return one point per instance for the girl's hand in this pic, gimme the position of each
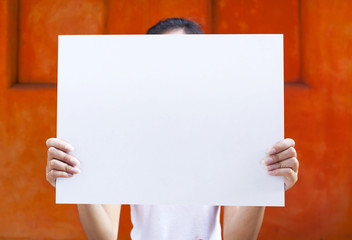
(282, 161)
(60, 163)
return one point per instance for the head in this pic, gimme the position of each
(175, 26)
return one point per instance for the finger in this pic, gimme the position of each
(288, 163)
(286, 154)
(61, 166)
(59, 144)
(290, 176)
(288, 173)
(281, 146)
(52, 175)
(54, 153)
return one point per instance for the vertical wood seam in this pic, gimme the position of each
(300, 73)
(212, 16)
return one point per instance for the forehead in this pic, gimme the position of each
(175, 31)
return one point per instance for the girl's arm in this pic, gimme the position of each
(245, 222)
(100, 221)
(242, 222)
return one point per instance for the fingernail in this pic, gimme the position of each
(69, 147)
(74, 161)
(267, 161)
(271, 172)
(69, 174)
(76, 170)
(272, 151)
(270, 167)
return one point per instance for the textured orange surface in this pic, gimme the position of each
(269, 16)
(318, 103)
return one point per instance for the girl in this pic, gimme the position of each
(101, 221)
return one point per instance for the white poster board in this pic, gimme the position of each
(171, 119)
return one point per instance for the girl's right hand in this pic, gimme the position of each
(60, 163)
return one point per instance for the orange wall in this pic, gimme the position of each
(318, 103)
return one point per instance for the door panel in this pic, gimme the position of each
(270, 16)
(40, 22)
(318, 103)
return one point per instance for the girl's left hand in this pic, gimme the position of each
(282, 161)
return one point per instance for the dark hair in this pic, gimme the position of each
(169, 24)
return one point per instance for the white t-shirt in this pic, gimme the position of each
(173, 222)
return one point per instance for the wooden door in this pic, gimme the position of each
(318, 103)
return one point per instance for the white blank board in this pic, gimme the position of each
(171, 119)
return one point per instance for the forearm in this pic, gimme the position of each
(245, 223)
(96, 222)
